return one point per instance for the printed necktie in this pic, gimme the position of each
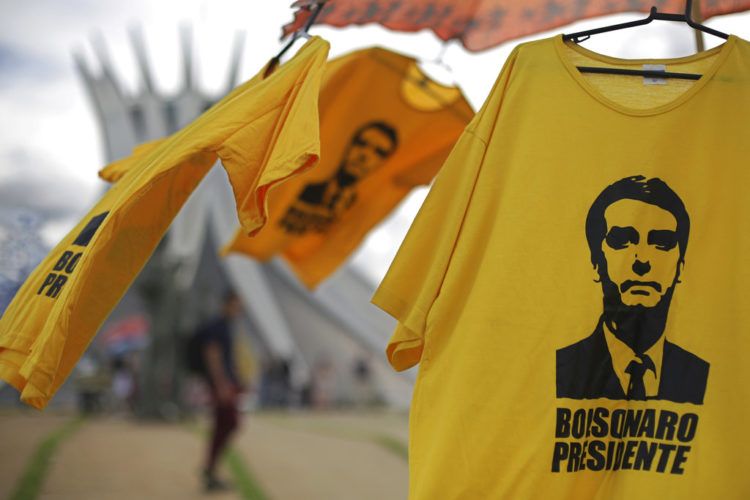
(637, 368)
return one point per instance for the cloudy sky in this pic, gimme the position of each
(50, 148)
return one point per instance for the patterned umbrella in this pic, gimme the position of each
(127, 334)
(482, 24)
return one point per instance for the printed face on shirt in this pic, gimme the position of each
(641, 251)
(637, 230)
(367, 151)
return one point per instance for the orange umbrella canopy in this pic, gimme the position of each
(482, 24)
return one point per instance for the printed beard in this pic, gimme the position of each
(637, 326)
(345, 178)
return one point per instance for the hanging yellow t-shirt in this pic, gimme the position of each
(576, 286)
(264, 131)
(385, 128)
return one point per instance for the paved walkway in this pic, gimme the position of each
(292, 457)
(117, 459)
(326, 457)
(20, 435)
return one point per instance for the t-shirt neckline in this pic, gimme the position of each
(722, 50)
(411, 65)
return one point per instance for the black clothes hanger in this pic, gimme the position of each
(314, 6)
(687, 17)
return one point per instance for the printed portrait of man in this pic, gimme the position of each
(637, 231)
(321, 203)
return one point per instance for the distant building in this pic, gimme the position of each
(285, 323)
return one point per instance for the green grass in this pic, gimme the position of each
(392, 444)
(246, 484)
(388, 442)
(30, 484)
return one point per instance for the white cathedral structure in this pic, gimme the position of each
(332, 330)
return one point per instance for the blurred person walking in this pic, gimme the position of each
(213, 342)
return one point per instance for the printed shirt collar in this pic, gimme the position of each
(622, 355)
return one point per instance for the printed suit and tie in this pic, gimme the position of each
(637, 231)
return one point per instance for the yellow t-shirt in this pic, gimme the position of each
(571, 343)
(385, 128)
(264, 131)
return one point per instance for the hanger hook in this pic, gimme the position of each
(315, 7)
(689, 11)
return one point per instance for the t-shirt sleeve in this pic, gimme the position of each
(117, 169)
(293, 147)
(423, 172)
(416, 274)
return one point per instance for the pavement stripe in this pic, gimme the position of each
(302, 463)
(30, 483)
(246, 484)
(387, 441)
